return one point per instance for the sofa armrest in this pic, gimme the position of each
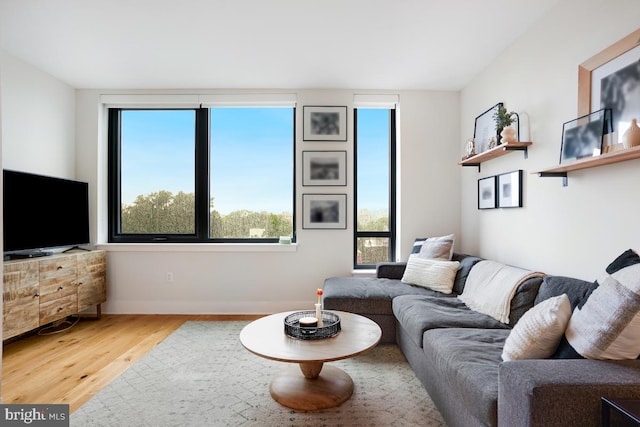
(390, 270)
(562, 392)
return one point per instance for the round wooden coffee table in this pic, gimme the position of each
(317, 387)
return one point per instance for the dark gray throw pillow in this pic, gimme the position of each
(578, 292)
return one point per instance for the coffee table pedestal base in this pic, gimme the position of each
(330, 388)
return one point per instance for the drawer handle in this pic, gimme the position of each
(59, 267)
(60, 288)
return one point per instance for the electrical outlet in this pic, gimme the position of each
(169, 276)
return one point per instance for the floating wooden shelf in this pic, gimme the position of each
(590, 162)
(495, 152)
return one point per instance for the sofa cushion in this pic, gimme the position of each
(468, 361)
(539, 331)
(433, 247)
(417, 314)
(432, 274)
(367, 295)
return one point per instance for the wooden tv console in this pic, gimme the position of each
(39, 291)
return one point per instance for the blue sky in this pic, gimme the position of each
(251, 156)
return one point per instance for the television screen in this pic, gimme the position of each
(44, 212)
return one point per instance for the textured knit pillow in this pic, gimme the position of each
(430, 273)
(434, 247)
(607, 326)
(539, 331)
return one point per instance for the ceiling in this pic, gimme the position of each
(181, 44)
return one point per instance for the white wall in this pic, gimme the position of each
(208, 279)
(41, 124)
(575, 230)
(39, 120)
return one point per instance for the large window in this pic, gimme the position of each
(201, 175)
(375, 186)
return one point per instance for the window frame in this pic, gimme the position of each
(391, 233)
(201, 181)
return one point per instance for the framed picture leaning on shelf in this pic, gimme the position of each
(485, 129)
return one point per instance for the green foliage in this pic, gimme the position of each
(372, 250)
(164, 213)
(160, 213)
(502, 117)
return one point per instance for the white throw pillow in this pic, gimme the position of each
(430, 273)
(539, 331)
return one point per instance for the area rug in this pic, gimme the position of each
(201, 375)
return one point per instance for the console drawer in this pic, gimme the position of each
(58, 308)
(58, 278)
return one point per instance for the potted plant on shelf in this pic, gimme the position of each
(504, 120)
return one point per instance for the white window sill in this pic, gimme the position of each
(197, 247)
(364, 272)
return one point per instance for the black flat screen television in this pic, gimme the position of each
(43, 212)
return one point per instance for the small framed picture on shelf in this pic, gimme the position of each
(485, 129)
(320, 168)
(324, 211)
(487, 193)
(324, 123)
(510, 189)
(583, 137)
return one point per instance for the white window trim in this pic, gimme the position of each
(199, 247)
(387, 101)
(288, 100)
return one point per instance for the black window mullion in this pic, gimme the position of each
(355, 188)
(114, 173)
(202, 193)
(392, 186)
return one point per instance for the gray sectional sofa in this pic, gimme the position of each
(457, 352)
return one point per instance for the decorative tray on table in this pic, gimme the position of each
(329, 327)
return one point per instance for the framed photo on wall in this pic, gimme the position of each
(324, 123)
(510, 189)
(611, 79)
(487, 193)
(324, 211)
(324, 168)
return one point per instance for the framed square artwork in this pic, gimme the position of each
(324, 168)
(324, 123)
(324, 211)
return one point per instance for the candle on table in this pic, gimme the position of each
(308, 322)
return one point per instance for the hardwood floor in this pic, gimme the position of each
(72, 366)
